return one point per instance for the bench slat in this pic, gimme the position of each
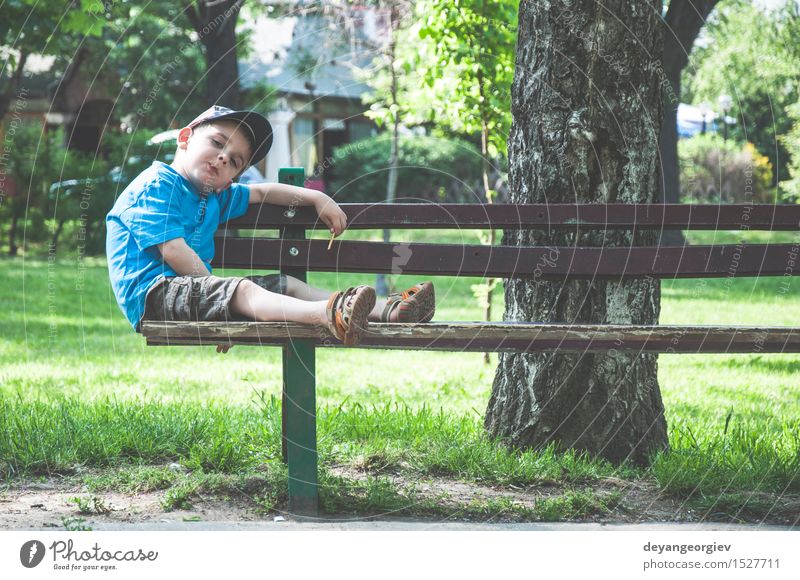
(493, 337)
(505, 261)
(562, 216)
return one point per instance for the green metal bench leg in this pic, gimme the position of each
(300, 426)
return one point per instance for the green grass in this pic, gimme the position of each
(79, 388)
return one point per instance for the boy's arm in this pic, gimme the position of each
(183, 259)
(283, 194)
(291, 195)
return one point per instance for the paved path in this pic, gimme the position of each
(410, 525)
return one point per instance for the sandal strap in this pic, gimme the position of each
(392, 302)
(405, 294)
(332, 310)
(339, 310)
(347, 296)
(394, 299)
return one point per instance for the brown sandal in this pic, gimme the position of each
(347, 313)
(417, 304)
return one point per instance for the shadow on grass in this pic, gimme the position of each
(776, 364)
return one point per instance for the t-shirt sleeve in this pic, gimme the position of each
(154, 216)
(234, 202)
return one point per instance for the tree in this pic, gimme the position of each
(388, 96)
(151, 63)
(683, 22)
(465, 59)
(788, 36)
(586, 108)
(33, 27)
(758, 69)
(791, 187)
(214, 21)
(41, 27)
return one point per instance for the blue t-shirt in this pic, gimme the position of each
(158, 206)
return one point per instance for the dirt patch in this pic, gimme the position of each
(49, 503)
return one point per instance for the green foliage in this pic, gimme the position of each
(46, 27)
(62, 190)
(133, 480)
(261, 97)
(389, 75)
(791, 187)
(752, 56)
(732, 456)
(576, 505)
(714, 170)
(131, 153)
(178, 497)
(153, 62)
(75, 524)
(37, 159)
(463, 53)
(90, 505)
(430, 168)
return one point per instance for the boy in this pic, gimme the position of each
(160, 240)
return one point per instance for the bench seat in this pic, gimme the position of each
(491, 337)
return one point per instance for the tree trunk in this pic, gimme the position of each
(13, 85)
(12, 233)
(215, 23)
(57, 234)
(682, 25)
(586, 108)
(487, 315)
(381, 286)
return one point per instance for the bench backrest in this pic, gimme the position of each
(291, 252)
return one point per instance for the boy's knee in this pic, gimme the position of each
(293, 286)
(245, 289)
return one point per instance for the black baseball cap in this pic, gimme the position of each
(256, 122)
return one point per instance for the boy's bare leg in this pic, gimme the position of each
(302, 291)
(256, 303)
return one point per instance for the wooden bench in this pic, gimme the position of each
(295, 255)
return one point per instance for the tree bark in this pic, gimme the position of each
(13, 85)
(57, 234)
(586, 107)
(381, 287)
(487, 315)
(12, 233)
(215, 24)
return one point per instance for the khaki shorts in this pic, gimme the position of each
(201, 299)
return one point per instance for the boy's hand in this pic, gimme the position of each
(331, 214)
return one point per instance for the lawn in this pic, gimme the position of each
(79, 387)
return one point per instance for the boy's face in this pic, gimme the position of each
(212, 155)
